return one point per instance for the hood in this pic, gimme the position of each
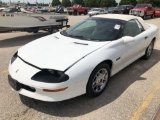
(139, 9)
(57, 51)
(92, 12)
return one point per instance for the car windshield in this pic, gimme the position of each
(95, 29)
(140, 6)
(112, 8)
(122, 7)
(95, 9)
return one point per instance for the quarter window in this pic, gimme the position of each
(132, 28)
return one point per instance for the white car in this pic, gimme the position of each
(82, 58)
(96, 11)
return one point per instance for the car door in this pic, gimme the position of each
(150, 10)
(132, 50)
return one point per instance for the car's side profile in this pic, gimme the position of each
(96, 11)
(82, 58)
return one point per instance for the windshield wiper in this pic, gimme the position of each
(79, 37)
(64, 33)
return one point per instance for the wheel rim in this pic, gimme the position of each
(150, 49)
(100, 80)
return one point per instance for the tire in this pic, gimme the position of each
(90, 15)
(79, 13)
(148, 51)
(152, 16)
(98, 80)
(70, 13)
(85, 12)
(75, 13)
(144, 17)
(36, 30)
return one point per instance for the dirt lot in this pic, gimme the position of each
(132, 94)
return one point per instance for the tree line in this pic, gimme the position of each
(155, 3)
(103, 3)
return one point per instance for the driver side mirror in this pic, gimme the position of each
(128, 39)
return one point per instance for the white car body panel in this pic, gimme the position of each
(63, 58)
(59, 52)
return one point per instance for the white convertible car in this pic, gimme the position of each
(82, 58)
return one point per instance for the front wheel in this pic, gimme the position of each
(144, 16)
(75, 12)
(98, 80)
(149, 51)
(152, 16)
(70, 13)
(85, 12)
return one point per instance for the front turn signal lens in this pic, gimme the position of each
(56, 90)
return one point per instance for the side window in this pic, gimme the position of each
(140, 26)
(132, 28)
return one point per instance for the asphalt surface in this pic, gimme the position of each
(132, 94)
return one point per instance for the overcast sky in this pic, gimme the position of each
(33, 1)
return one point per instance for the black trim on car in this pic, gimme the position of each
(17, 86)
(48, 77)
(29, 63)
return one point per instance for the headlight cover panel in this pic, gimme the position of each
(50, 76)
(14, 57)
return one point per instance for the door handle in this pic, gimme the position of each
(146, 37)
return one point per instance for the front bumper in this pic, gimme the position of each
(20, 75)
(137, 13)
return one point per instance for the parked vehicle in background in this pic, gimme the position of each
(113, 10)
(77, 9)
(143, 10)
(2, 8)
(32, 22)
(102, 45)
(52, 9)
(157, 13)
(96, 11)
(11, 9)
(59, 9)
(124, 9)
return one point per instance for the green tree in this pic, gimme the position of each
(112, 3)
(98, 3)
(108, 3)
(66, 3)
(104, 3)
(56, 2)
(155, 3)
(79, 2)
(124, 2)
(90, 3)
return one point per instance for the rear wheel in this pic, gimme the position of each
(152, 16)
(79, 13)
(98, 80)
(85, 12)
(144, 16)
(75, 12)
(35, 30)
(149, 51)
(70, 13)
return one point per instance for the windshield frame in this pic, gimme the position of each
(117, 21)
(141, 6)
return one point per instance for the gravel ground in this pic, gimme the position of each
(132, 94)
